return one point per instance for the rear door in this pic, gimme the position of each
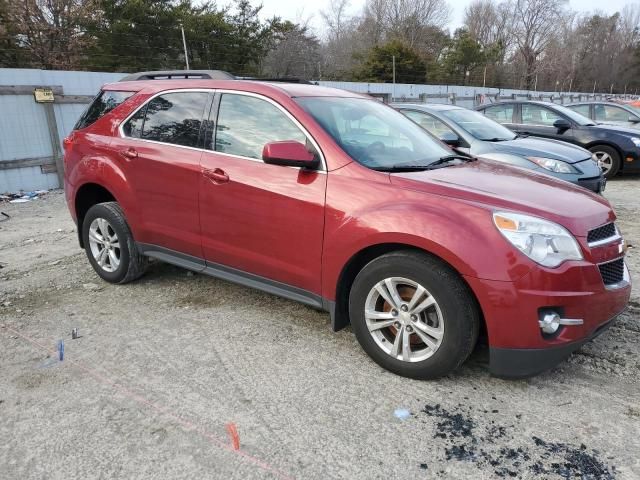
(256, 218)
(160, 152)
(504, 113)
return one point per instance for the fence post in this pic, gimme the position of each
(54, 135)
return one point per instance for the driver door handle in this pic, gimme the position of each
(217, 175)
(129, 153)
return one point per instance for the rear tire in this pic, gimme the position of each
(440, 325)
(610, 159)
(110, 246)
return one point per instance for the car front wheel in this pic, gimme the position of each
(608, 159)
(413, 315)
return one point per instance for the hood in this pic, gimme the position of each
(537, 147)
(502, 187)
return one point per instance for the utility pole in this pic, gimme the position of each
(484, 77)
(611, 90)
(535, 84)
(184, 44)
(594, 86)
(393, 91)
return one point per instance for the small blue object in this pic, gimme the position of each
(61, 350)
(402, 413)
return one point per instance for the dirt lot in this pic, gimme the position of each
(165, 363)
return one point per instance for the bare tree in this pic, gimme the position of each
(52, 31)
(336, 18)
(534, 26)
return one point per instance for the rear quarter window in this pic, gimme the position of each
(101, 105)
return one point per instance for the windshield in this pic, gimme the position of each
(373, 134)
(478, 125)
(575, 116)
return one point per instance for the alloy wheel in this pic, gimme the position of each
(104, 244)
(605, 162)
(404, 319)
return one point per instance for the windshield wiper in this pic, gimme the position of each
(450, 158)
(497, 139)
(430, 166)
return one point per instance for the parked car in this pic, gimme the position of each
(609, 112)
(472, 133)
(338, 201)
(617, 148)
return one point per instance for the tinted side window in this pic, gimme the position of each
(581, 109)
(245, 124)
(538, 115)
(133, 127)
(430, 124)
(612, 114)
(174, 118)
(500, 113)
(101, 105)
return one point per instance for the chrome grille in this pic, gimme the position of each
(602, 233)
(612, 272)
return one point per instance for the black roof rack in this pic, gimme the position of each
(279, 79)
(179, 74)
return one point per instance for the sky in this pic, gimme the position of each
(303, 10)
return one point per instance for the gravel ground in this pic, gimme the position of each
(163, 365)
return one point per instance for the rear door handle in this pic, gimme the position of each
(129, 153)
(216, 175)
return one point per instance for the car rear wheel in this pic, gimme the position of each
(413, 315)
(109, 244)
(608, 159)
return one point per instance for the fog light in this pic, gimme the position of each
(550, 323)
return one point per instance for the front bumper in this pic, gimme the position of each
(512, 311)
(527, 362)
(596, 184)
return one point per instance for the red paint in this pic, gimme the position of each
(233, 434)
(301, 227)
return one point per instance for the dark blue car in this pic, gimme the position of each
(472, 133)
(617, 148)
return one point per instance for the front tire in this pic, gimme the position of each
(413, 315)
(608, 159)
(110, 246)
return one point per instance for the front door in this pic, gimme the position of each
(158, 152)
(538, 120)
(262, 219)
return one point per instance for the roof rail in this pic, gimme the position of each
(279, 79)
(179, 74)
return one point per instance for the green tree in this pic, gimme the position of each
(465, 54)
(377, 65)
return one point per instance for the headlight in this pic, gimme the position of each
(557, 166)
(544, 242)
(636, 141)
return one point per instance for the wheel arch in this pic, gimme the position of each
(88, 195)
(340, 310)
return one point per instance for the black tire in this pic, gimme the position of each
(460, 313)
(616, 161)
(132, 263)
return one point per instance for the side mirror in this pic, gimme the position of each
(289, 153)
(634, 119)
(450, 139)
(562, 124)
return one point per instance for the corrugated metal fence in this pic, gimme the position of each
(31, 133)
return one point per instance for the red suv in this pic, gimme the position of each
(335, 200)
